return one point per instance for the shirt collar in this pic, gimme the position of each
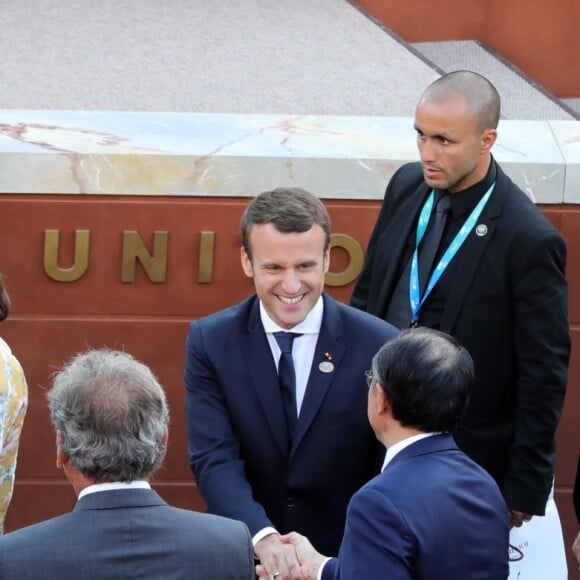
(398, 447)
(310, 325)
(464, 201)
(114, 485)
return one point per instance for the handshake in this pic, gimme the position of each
(289, 557)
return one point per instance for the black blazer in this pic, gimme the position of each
(508, 307)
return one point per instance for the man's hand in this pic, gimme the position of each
(518, 518)
(278, 560)
(310, 560)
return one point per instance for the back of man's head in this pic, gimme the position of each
(290, 209)
(426, 375)
(111, 416)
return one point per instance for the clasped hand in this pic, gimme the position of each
(289, 557)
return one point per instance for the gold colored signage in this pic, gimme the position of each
(134, 249)
(356, 258)
(206, 247)
(155, 263)
(81, 260)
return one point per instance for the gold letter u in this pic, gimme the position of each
(81, 261)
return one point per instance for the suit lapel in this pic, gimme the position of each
(263, 375)
(329, 348)
(394, 240)
(471, 254)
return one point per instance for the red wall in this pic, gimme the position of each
(540, 37)
(52, 320)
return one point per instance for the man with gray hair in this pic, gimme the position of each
(111, 420)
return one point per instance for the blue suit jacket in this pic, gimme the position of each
(433, 514)
(238, 443)
(128, 534)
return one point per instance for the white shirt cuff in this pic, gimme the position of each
(319, 575)
(262, 534)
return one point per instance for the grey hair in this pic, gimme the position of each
(111, 415)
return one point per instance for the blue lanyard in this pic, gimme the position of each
(415, 299)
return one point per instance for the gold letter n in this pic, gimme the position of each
(134, 249)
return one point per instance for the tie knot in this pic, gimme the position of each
(444, 204)
(285, 340)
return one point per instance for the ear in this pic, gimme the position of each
(326, 260)
(164, 440)
(381, 400)
(488, 139)
(61, 459)
(246, 264)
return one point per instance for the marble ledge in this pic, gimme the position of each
(181, 154)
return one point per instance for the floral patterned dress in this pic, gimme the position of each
(13, 404)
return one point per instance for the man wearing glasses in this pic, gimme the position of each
(433, 513)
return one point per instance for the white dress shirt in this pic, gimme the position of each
(303, 349)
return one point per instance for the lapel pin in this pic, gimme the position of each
(481, 230)
(326, 366)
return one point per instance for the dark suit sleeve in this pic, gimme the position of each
(360, 295)
(405, 183)
(377, 542)
(214, 450)
(542, 343)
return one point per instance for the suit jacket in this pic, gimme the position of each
(129, 534)
(238, 443)
(433, 514)
(508, 307)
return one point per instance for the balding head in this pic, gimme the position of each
(111, 416)
(480, 95)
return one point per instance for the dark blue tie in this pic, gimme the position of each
(287, 379)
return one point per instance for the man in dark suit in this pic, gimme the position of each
(111, 417)
(497, 283)
(277, 463)
(433, 513)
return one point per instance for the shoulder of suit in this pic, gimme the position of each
(34, 533)
(515, 202)
(237, 313)
(365, 321)
(405, 182)
(210, 523)
(409, 174)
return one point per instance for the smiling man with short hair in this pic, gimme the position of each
(281, 463)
